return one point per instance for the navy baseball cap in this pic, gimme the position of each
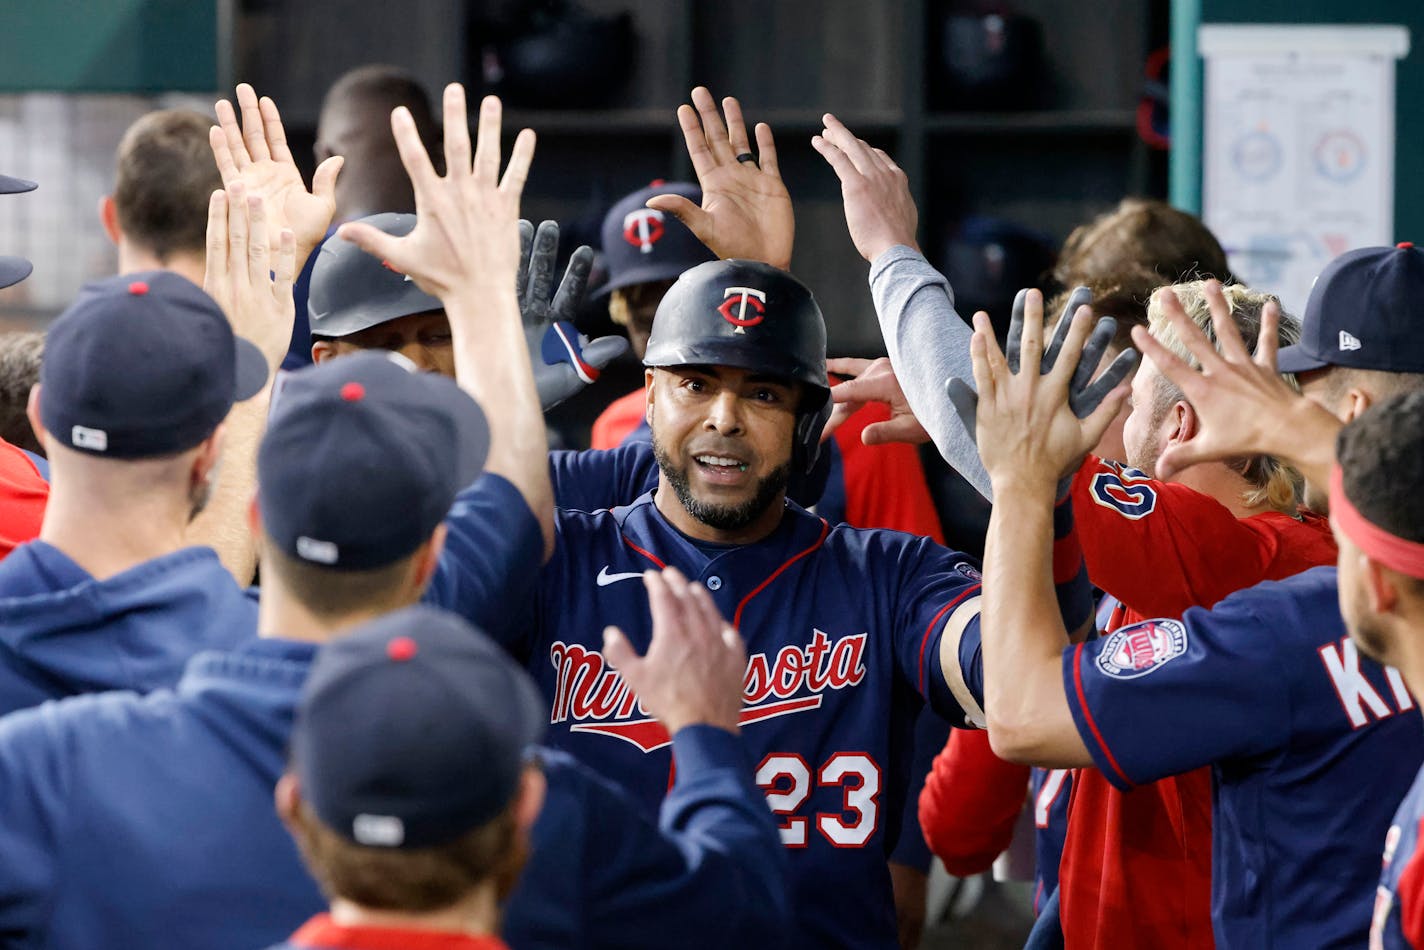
(641, 245)
(1363, 312)
(363, 458)
(143, 365)
(413, 730)
(352, 290)
(14, 269)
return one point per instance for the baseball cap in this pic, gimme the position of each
(143, 365)
(642, 245)
(413, 730)
(363, 458)
(1363, 312)
(14, 269)
(352, 290)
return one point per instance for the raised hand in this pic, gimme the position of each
(1028, 433)
(693, 671)
(466, 236)
(564, 360)
(256, 155)
(746, 211)
(251, 283)
(879, 210)
(1244, 405)
(874, 381)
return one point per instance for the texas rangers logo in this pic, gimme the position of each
(1141, 648)
(643, 227)
(592, 695)
(743, 307)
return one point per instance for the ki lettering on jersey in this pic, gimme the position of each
(1359, 698)
(592, 696)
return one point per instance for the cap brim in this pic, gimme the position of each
(10, 185)
(640, 275)
(251, 371)
(1295, 359)
(13, 270)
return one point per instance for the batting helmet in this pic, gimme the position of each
(754, 317)
(351, 290)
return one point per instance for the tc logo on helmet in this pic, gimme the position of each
(744, 307)
(643, 228)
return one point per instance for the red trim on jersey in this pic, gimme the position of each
(647, 554)
(323, 933)
(737, 617)
(1088, 715)
(925, 640)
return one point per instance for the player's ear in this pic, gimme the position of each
(1181, 423)
(286, 797)
(32, 412)
(323, 350)
(648, 390)
(109, 218)
(1380, 586)
(1356, 401)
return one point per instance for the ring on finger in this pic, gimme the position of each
(748, 157)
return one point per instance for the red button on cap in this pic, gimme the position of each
(352, 392)
(1405, 244)
(138, 288)
(401, 649)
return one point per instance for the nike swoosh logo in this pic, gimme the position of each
(605, 578)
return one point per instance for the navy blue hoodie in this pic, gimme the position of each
(63, 633)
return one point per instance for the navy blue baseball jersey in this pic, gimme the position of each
(1310, 743)
(1398, 922)
(843, 630)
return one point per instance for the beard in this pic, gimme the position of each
(769, 491)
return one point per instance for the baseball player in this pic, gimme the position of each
(644, 250)
(114, 594)
(1310, 743)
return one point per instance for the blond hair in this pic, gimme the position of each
(1274, 483)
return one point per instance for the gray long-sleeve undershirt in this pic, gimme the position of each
(928, 343)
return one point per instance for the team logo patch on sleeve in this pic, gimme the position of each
(1141, 648)
(968, 570)
(1125, 490)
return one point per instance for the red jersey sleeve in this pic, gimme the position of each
(1160, 547)
(884, 484)
(23, 494)
(971, 802)
(622, 416)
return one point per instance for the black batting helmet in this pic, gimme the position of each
(754, 317)
(351, 290)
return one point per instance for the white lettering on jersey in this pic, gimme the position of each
(1402, 699)
(1048, 793)
(1358, 696)
(787, 780)
(593, 695)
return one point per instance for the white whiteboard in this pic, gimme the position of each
(1298, 147)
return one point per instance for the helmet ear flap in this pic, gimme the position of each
(809, 423)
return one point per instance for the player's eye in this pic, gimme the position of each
(767, 395)
(435, 339)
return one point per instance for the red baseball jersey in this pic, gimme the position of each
(23, 494)
(1136, 869)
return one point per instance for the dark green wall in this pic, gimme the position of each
(1409, 97)
(108, 45)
